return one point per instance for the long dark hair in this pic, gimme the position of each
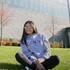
(24, 35)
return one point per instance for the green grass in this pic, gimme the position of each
(64, 55)
(7, 58)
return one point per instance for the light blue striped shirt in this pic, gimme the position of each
(39, 45)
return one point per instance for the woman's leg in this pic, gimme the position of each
(23, 62)
(51, 62)
(20, 60)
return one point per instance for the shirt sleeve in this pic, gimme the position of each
(28, 53)
(46, 44)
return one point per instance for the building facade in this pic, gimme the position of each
(50, 16)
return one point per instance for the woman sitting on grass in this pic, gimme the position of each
(35, 50)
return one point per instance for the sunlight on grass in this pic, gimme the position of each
(7, 58)
(63, 54)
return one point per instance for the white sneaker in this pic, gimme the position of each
(27, 68)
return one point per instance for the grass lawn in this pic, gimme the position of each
(8, 62)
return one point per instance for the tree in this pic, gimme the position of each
(4, 18)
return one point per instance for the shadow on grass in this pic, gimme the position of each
(7, 66)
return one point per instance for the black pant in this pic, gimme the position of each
(48, 63)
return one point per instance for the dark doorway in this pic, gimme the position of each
(67, 38)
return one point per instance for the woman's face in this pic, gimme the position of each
(28, 29)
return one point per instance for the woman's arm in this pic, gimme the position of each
(24, 57)
(27, 53)
(47, 50)
(46, 44)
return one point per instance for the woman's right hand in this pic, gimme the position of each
(40, 66)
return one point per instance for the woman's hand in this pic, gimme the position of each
(40, 66)
(40, 60)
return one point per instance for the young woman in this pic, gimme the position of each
(35, 50)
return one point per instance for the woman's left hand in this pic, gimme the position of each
(40, 60)
(40, 66)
